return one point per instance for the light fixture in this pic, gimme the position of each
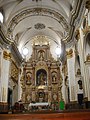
(58, 51)
(1, 17)
(25, 51)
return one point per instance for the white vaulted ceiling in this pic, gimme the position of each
(25, 20)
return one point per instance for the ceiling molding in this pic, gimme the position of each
(36, 12)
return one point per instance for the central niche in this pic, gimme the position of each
(41, 77)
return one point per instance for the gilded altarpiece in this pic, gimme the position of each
(41, 80)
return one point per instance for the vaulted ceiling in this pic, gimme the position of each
(30, 22)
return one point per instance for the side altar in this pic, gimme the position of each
(41, 79)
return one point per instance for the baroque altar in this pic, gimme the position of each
(41, 78)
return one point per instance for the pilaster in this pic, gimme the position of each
(87, 67)
(71, 75)
(5, 74)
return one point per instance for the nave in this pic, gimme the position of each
(44, 59)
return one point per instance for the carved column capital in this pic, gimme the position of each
(6, 55)
(69, 54)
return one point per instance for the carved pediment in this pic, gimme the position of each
(41, 53)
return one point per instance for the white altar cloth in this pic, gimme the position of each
(39, 104)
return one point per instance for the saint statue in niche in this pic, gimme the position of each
(41, 79)
(54, 97)
(54, 78)
(28, 78)
(41, 55)
(28, 97)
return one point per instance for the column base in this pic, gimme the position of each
(86, 102)
(3, 107)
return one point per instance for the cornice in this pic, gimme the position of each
(14, 50)
(75, 14)
(4, 40)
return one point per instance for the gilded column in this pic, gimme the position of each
(33, 75)
(49, 76)
(49, 73)
(58, 73)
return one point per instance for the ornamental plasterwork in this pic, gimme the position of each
(36, 0)
(86, 28)
(39, 26)
(40, 40)
(69, 53)
(6, 55)
(35, 12)
(88, 58)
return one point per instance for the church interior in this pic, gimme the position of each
(44, 58)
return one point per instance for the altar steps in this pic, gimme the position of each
(82, 115)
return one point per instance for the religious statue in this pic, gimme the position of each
(41, 55)
(28, 97)
(41, 79)
(28, 79)
(54, 78)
